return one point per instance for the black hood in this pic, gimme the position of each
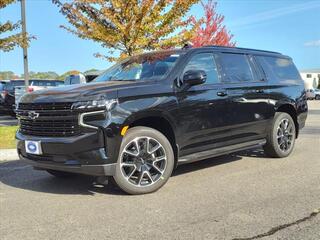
(79, 92)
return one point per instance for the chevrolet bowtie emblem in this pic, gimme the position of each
(33, 115)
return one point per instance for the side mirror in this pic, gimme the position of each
(194, 77)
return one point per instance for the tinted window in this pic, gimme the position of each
(309, 75)
(58, 83)
(279, 68)
(14, 83)
(42, 83)
(204, 62)
(236, 67)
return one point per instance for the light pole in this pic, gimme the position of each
(25, 50)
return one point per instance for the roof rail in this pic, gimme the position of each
(249, 49)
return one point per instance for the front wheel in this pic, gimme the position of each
(145, 162)
(281, 136)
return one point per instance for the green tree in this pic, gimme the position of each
(7, 75)
(42, 75)
(129, 26)
(63, 76)
(10, 41)
(90, 70)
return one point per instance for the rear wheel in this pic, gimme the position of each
(145, 161)
(317, 97)
(281, 136)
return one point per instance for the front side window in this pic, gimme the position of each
(309, 75)
(279, 68)
(206, 63)
(236, 67)
(11, 85)
(143, 67)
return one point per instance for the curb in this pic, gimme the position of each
(8, 155)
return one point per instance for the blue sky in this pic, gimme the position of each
(291, 27)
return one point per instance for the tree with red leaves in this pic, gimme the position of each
(210, 29)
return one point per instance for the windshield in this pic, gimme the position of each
(142, 67)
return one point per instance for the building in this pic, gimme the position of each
(311, 77)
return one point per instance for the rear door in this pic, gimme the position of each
(248, 97)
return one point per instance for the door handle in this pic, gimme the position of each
(222, 93)
(240, 100)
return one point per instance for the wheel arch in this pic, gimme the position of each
(291, 110)
(159, 122)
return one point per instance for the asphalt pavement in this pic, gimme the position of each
(239, 196)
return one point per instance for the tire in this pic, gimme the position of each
(60, 174)
(145, 162)
(317, 97)
(281, 137)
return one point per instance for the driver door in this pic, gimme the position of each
(202, 115)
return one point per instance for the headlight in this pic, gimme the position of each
(103, 104)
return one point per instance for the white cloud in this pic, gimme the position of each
(315, 43)
(275, 13)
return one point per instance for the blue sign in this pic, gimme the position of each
(32, 147)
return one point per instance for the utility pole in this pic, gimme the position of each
(25, 50)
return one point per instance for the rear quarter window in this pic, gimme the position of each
(278, 68)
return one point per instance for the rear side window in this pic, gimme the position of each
(279, 68)
(236, 67)
(58, 83)
(43, 83)
(206, 63)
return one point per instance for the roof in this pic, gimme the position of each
(243, 50)
(240, 49)
(94, 73)
(311, 70)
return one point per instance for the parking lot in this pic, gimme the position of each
(239, 196)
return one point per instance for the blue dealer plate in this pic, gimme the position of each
(33, 147)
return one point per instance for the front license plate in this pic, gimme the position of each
(33, 147)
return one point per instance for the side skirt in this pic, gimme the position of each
(220, 151)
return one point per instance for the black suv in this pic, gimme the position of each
(149, 113)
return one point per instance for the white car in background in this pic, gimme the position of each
(35, 85)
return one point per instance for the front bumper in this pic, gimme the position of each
(84, 154)
(93, 170)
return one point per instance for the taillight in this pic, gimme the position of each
(30, 89)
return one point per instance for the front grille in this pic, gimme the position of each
(54, 120)
(45, 106)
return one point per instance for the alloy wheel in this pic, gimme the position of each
(143, 161)
(285, 135)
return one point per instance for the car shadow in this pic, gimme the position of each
(17, 174)
(20, 175)
(215, 161)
